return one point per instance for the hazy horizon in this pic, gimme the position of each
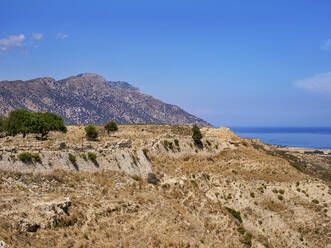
(235, 63)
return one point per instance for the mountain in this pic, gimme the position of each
(90, 98)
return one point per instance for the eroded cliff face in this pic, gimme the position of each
(90, 98)
(232, 193)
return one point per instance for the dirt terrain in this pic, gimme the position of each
(150, 186)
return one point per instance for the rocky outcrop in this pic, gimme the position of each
(90, 98)
(121, 153)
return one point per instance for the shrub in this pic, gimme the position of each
(196, 136)
(91, 132)
(84, 156)
(176, 141)
(111, 127)
(235, 214)
(194, 183)
(252, 195)
(280, 197)
(281, 191)
(36, 157)
(92, 156)
(168, 145)
(165, 144)
(25, 157)
(72, 158)
(248, 239)
(315, 201)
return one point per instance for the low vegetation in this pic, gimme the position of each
(72, 158)
(92, 156)
(111, 127)
(235, 214)
(197, 136)
(25, 157)
(36, 157)
(91, 132)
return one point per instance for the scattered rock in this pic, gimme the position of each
(62, 145)
(151, 178)
(3, 244)
(28, 226)
(125, 143)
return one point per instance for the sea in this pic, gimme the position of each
(307, 137)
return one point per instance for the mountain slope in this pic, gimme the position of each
(89, 98)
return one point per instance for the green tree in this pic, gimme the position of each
(46, 122)
(23, 121)
(19, 121)
(3, 124)
(196, 136)
(111, 127)
(91, 132)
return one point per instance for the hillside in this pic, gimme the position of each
(150, 186)
(89, 98)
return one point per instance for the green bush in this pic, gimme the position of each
(196, 136)
(194, 183)
(234, 214)
(72, 158)
(91, 132)
(248, 239)
(111, 127)
(315, 201)
(84, 156)
(176, 141)
(36, 157)
(25, 157)
(92, 156)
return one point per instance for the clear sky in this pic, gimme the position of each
(233, 63)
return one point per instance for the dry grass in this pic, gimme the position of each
(188, 207)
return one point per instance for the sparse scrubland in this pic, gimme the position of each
(155, 186)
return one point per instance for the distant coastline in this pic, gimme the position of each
(296, 137)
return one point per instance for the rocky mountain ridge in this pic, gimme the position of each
(90, 98)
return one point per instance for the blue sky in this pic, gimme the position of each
(233, 63)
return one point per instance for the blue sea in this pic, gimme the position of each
(309, 137)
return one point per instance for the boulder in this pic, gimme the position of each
(151, 178)
(125, 144)
(3, 244)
